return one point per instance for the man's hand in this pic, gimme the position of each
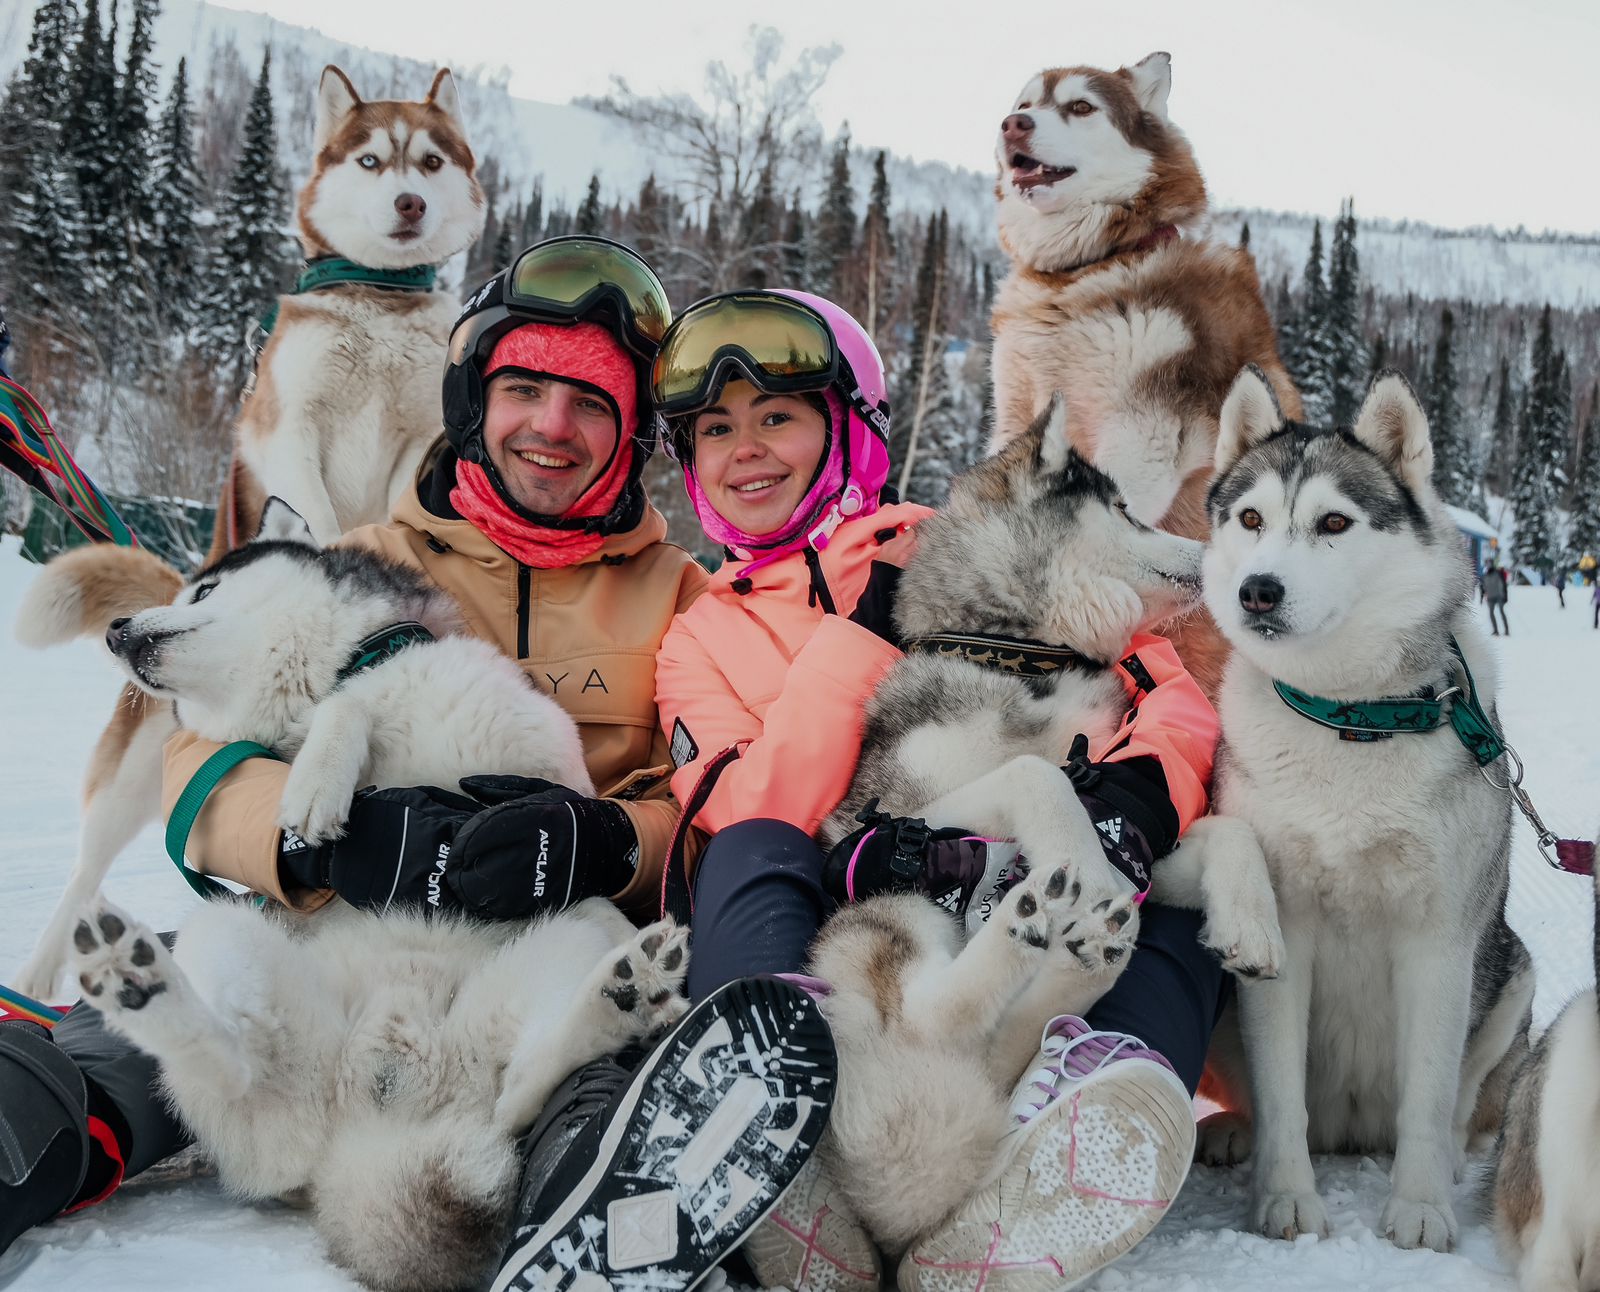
(509, 848)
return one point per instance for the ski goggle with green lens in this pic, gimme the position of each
(576, 278)
(774, 342)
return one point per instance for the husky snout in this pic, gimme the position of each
(117, 635)
(1260, 593)
(411, 207)
(1016, 128)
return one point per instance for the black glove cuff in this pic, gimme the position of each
(300, 865)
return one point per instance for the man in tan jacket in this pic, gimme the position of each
(532, 515)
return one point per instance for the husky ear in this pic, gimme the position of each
(1152, 82)
(1250, 414)
(1392, 424)
(1048, 435)
(336, 100)
(281, 523)
(442, 95)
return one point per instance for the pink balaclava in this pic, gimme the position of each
(584, 353)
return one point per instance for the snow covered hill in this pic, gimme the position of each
(173, 1229)
(564, 144)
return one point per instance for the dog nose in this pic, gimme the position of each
(411, 206)
(1260, 593)
(117, 634)
(1017, 127)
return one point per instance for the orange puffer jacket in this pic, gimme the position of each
(755, 666)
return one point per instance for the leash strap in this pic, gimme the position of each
(31, 449)
(1019, 656)
(193, 798)
(14, 1004)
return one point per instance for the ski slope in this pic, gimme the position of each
(174, 1229)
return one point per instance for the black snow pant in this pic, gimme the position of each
(1501, 607)
(120, 1090)
(758, 902)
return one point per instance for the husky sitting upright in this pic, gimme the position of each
(1404, 999)
(1546, 1177)
(346, 392)
(1117, 298)
(933, 1029)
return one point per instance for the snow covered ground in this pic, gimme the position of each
(174, 1229)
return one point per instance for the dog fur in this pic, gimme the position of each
(1544, 1181)
(248, 650)
(1143, 336)
(933, 1028)
(378, 1070)
(1405, 998)
(346, 393)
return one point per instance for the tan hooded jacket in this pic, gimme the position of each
(586, 634)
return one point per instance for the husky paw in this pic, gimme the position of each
(1249, 944)
(313, 810)
(1027, 910)
(645, 978)
(1288, 1215)
(1101, 937)
(119, 963)
(1224, 1139)
(1409, 1223)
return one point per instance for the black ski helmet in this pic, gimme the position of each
(561, 281)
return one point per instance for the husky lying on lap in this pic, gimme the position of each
(377, 1067)
(1403, 1007)
(934, 1028)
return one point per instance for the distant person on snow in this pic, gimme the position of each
(1493, 586)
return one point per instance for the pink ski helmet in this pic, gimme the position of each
(782, 342)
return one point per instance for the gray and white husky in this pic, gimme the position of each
(1404, 1000)
(1546, 1177)
(934, 1028)
(378, 1068)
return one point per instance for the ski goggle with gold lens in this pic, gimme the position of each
(575, 278)
(775, 342)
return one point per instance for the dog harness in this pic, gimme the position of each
(369, 653)
(1019, 656)
(1426, 710)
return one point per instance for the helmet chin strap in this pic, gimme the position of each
(817, 538)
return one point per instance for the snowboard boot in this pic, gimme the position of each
(1101, 1140)
(650, 1178)
(44, 1132)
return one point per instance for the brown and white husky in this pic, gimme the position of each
(345, 401)
(1115, 298)
(1546, 1177)
(346, 393)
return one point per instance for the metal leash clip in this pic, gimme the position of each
(1571, 856)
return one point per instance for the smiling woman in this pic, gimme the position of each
(758, 454)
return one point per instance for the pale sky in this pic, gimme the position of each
(1456, 113)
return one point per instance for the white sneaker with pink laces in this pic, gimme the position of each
(1103, 1133)
(810, 1242)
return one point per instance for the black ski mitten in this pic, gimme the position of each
(507, 849)
(1130, 807)
(896, 854)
